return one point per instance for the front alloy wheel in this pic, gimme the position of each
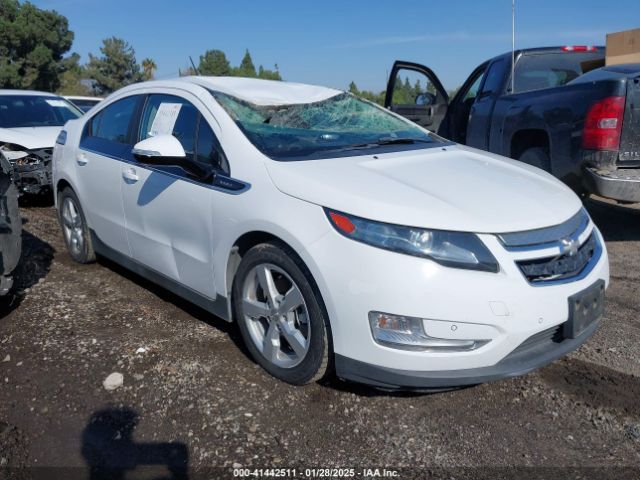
(280, 314)
(276, 315)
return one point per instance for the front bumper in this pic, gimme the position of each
(542, 349)
(622, 184)
(458, 304)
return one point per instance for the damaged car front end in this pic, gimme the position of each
(29, 124)
(31, 167)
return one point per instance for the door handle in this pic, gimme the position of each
(130, 175)
(81, 159)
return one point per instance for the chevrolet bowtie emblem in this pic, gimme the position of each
(569, 246)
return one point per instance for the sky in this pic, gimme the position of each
(332, 42)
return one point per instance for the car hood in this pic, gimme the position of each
(449, 188)
(30, 137)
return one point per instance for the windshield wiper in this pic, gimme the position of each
(400, 140)
(382, 142)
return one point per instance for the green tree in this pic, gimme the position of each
(32, 45)
(246, 68)
(71, 78)
(214, 62)
(269, 74)
(116, 68)
(366, 94)
(417, 87)
(149, 68)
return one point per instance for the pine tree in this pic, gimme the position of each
(247, 68)
(214, 62)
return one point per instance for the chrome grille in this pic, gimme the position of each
(562, 267)
(543, 237)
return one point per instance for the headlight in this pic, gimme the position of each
(452, 249)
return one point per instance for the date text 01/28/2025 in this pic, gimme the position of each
(315, 473)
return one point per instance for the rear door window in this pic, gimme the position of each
(113, 122)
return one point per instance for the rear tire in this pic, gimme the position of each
(537, 157)
(280, 314)
(74, 226)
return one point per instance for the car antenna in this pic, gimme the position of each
(513, 40)
(193, 65)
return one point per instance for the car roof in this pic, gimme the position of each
(80, 97)
(540, 50)
(253, 90)
(34, 93)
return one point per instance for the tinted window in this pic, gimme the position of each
(495, 77)
(178, 117)
(208, 149)
(472, 93)
(534, 72)
(85, 104)
(18, 111)
(112, 123)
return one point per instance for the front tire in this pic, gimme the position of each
(280, 314)
(75, 230)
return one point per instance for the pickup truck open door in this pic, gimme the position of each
(423, 100)
(462, 119)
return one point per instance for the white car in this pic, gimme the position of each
(83, 103)
(30, 121)
(340, 236)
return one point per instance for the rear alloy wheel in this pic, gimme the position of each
(74, 228)
(279, 315)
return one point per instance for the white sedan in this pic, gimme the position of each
(30, 121)
(341, 237)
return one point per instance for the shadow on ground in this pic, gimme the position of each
(617, 223)
(110, 451)
(35, 263)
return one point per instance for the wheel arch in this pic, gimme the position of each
(59, 186)
(250, 239)
(525, 139)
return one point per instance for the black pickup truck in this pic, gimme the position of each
(564, 112)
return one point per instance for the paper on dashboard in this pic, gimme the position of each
(165, 119)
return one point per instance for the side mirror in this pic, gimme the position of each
(166, 150)
(425, 99)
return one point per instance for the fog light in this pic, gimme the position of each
(407, 333)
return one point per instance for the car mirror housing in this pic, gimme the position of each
(162, 146)
(166, 150)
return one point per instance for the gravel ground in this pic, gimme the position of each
(193, 399)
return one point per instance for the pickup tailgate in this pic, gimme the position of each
(629, 153)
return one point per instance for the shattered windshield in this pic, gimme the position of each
(19, 111)
(342, 125)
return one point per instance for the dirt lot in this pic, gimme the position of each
(194, 399)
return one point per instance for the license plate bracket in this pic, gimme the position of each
(585, 308)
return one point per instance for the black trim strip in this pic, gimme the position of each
(224, 184)
(218, 306)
